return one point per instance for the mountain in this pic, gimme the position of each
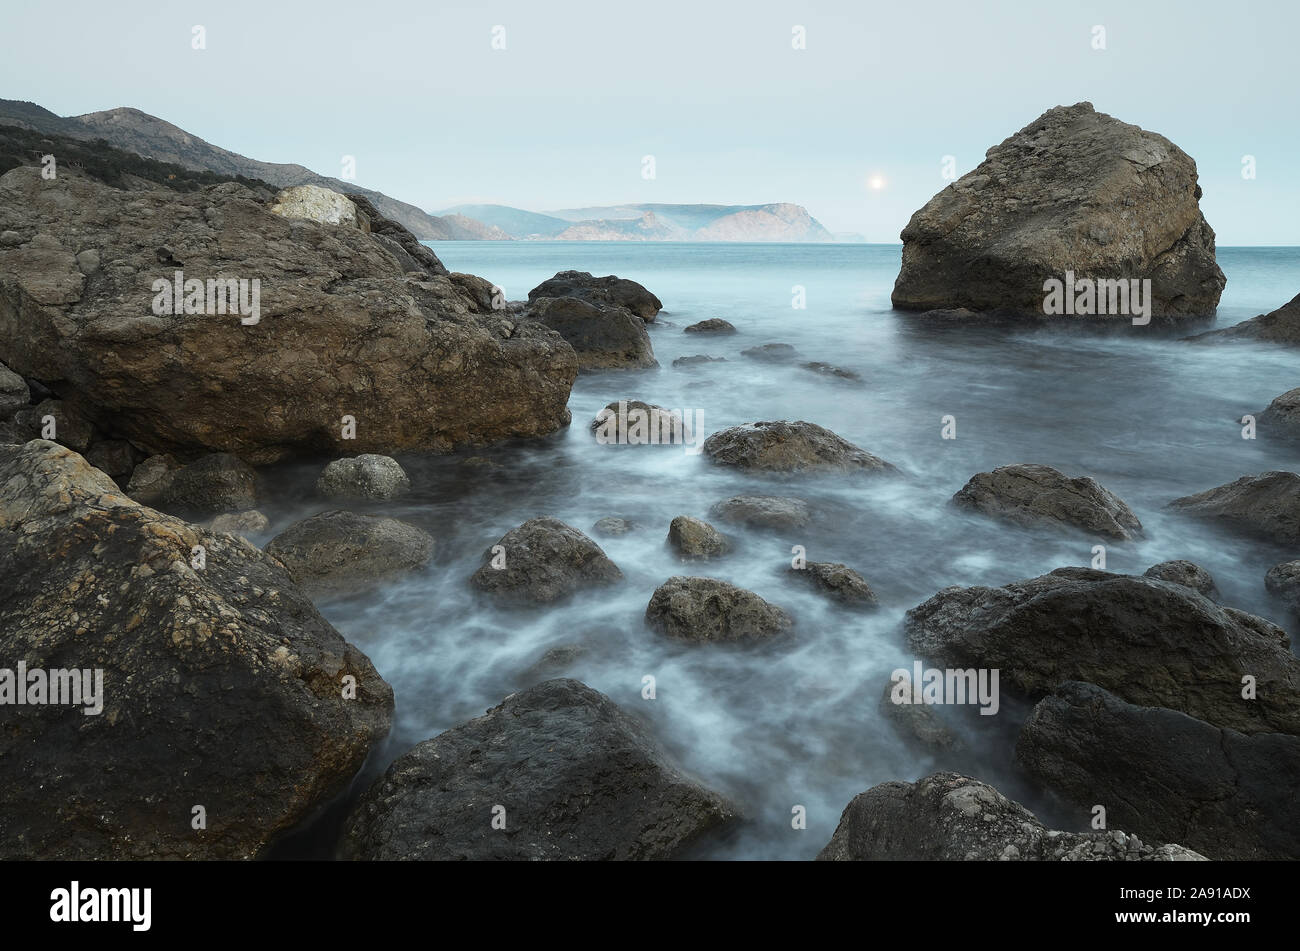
(514, 221)
(154, 138)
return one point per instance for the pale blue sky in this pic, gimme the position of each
(732, 114)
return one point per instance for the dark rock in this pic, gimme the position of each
(1284, 581)
(789, 447)
(545, 561)
(1033, 495)
(1267, 504)
(840, 582)
(696, 539)
(705, 610)
(613, 526)
(336, 553)
(603, 337)
(609, 291)
(150, 479)
(697, 359)
(1281, 418)
(577, 778)
(714, 325)
(1278, 326)
(114, 456)
(826, 369)
(71, 428)
(763, 511)
(367, 477)
(636, 423)
(771, 353)
(215, 483)
(919, 722)
(14, 392)
(1186, 573)
(243, 524)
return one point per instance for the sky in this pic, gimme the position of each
(855, 126)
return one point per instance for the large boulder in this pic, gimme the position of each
(367, 477)
(314, 203)
(222, 687)
(1074, 191)
(695, 539)
(1186, 573)
(1281, 418)
(1041, 495)
(1278, 326)
(338, 553)
(218, 482)
(637, 423)
(368, 326)
(609, 291)
(706, 610)
(789, 447)
(1150, 642)
(604, 337)
(950, 817)
(1165, 775)
(714, 325)
(542, 561)
(555, 772)
(1267, 505)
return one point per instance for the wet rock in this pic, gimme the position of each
(613, 526)
(789, 447)
(609, 291)
(221, 685)
(114, 456)
(714, 325)
(950, 817)
(839, 582)
(1279, 326)
(706, 610)
(367, 477)
(1186, 573)
(1036, 495)
(243, 524)
(1150, 642)
(696, 539)
(919, 722)
(603, 337)
(771, 353)
(218, 482)
(697, 359)
(14, 394)
(578, 779)
(1281, 418)
(58, 421)
(1284, 581)
(1166, 775)
(826, 369)
(554, 661)
(763, 511)
(338, 553)
(1267, 504)
(150, 479)
(1075, 190)
(544, 561)
(637, 423)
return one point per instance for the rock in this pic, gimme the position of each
(577, 777)
(114, 456)
(1150, 642)
(1278, 326)
(215, 483)
(10, 239)
(771, 353)
(1267, 504)
(950, 817)
(1166, 775)
(243, 524)
(1284, 581)
(70, 427)
(314, 203)
(636, 423)
(705, 610)
(714, 325)
(613, 526)
(367, 477)
(919, 722)
(349, 324)
(479, 462)
(14, 394)
(339, 553)
(696, 539)
(1075, 190)
(789, 447)
(840, 582)
(697, 359)
(1037, 495)
(826, 369)
(1281, 418)
(221, 686)
(150, 479)
(603, 337)
(545, 561)
(609, 291)
(1186, 573)
(763, 511)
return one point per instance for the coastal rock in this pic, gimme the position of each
(243, 524)
(218, 482)
(221, 685)
(637, 423)
(840, 582)
(612, 526)
(1165, 775)
(920, 722)
(829, 370)
(150, 479)
(337, 553)
(1281, 418)
(604, 337)
(714, 325)
(1075, 190)
(1267, 505)
(1032, 495)
(608, 291)
(1278, 326)
(367, 477)
(357, 335)
(697, 359)
(694, 538)
(114, 456)
(577, 777)
(789, 447)
(1186, 573)
(543, 560)
(763, 511)
(1284, 581)
(950, 817)
(314, 203)
(771, 353)
(68, 426)
(14, 394)
(706, 610)
(1150, 642)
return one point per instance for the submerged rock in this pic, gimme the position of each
(1278, 326)
(609, 291)
(221, 685)
(789, 447)
(838, 373)
(694, 538)
(772, 353)
(568, 773)
(1281, 418)
(840, 582)
(542, 561)
(603, 337)
(367, 477)
(950, 817)
(708, 610)
(1186, 573)
(1166, 775)
(1033, 494)
(1284, 581)
(920, 722)
(337, 552)
(637, 423)
(1267, 504)
(697, 359)
(1075, 190)
(612, 526)
(763, 511)
(714, 325)
(1150, 642)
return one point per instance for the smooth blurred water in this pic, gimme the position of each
(797, 722)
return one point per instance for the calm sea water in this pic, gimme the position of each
(798, 723)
